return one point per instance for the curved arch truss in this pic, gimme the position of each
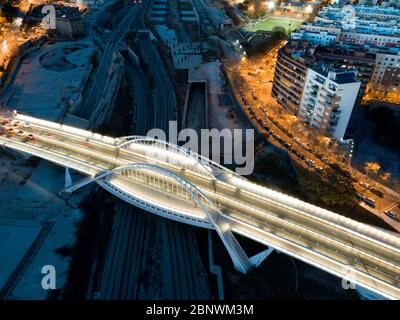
(159, 177)
(134, 170)
(166, 152)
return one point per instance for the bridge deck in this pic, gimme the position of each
(364, 254)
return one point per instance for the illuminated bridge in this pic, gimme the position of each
(175, 183)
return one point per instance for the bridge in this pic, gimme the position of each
(178, 184)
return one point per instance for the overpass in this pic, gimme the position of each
(178, 184)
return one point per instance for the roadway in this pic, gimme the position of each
(331, 242)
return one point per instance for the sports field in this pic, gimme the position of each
(269, 23)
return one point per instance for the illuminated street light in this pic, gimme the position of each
(18, 22)
(270, 5)
(308, 9)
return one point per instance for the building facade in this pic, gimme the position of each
(328, 100)
(290, 75)
(386, 74)
(69, 27)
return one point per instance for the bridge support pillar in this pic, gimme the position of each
(68, 183)
(257, 259)
(68, 180)
(239, 257)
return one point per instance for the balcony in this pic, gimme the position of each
(311, 100)
(309, 106)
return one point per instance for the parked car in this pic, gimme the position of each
(326, 161)
(378, 192)
(392, 215)
(320, 170)
(364, 185)
(310, 163)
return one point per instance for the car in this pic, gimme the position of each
(310, 163)
(326, 161)
(377, 192)
(320, 170)
(369, 201)
(31, 137)
(360, 196)
(319, 156)
(364, 185)
(20, 133)
(392, 215)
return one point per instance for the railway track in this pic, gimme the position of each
(127, 260)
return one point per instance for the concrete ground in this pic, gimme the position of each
(47, 75)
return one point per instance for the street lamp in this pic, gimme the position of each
(270, 5)
(308, 9)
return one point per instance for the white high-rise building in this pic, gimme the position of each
(328, 100)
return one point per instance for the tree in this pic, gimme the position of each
(372, 168)
(9, 12)
(338, 191)
(279, 32)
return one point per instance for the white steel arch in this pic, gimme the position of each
(197, 195)
(240, 259)
(207, 166)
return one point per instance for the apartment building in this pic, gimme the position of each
(290, 75)
(328, 99)
(386, 74)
